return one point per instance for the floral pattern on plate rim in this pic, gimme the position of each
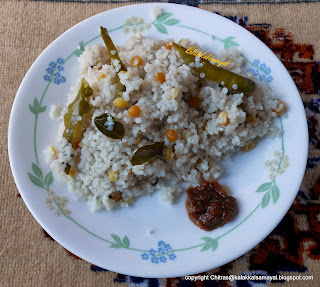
(163, 252)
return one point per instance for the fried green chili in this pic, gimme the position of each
(113, 54)
(80, 107)
(218, 74)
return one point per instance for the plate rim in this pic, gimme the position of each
(147, 5)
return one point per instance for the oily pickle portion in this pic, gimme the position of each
(209, 207)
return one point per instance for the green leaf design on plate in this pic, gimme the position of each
(265, 200)
(35, 108)
(116, 238)
(228, 43)
(35, 180)
(264, 187)
(172, 22)
(80, 49)
(48, 179)
(275, 193)
(42, 109)
(162, 29)
(37, 171)
(210, 243)
(126, 242)
(118, 243)
(162, 17)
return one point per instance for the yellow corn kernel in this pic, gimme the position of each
(138, 138)
(167, 154)
(251, 118)
(122, 72)
(174, 93)
(223, 118)
(250, 145)
(280, 108)
(103, 75)
(114, 176)
(185, 134)
(54, 151)
(71, 172)
(120, 103)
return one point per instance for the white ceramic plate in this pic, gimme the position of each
(264, 181)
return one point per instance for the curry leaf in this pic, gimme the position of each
(147, 153)
(162, 29)
(117, 131)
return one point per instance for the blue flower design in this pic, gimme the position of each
(167, 247)
(163, 259)
(152, 252)
(52, 65)
(255, 72)
(55, 68)
(49, 70)
(263, 66)
(261, 71)
(155, 260)
(262, 77)
(144, 256)
(161, 255)
(60, 68)
(267, 71)
(269, 79)
(256, 62)
(56, 81)
(161, 243)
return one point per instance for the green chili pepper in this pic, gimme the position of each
(113, 54)
(218, 74)
(75, 128)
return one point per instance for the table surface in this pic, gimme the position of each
(29, 257)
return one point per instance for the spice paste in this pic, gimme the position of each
(209, 207)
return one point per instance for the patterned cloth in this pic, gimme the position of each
(29, 257)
